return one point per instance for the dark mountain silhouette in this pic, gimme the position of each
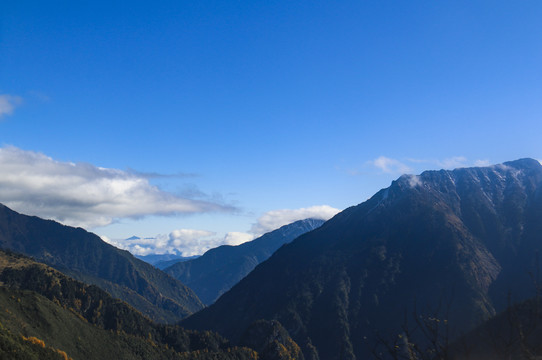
(85, 256)
(216, 271)
(449, 243)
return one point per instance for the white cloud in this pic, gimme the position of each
(83, 194)
(8, 103)
(453, 162)
(185, 242)
(482, 163)
(414, 180)
(391, 166)
(237, 238)
(274, 219)
(188, 242)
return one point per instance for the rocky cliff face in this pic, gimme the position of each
(447, 244)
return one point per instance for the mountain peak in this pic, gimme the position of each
(468, 237)
(525, 163)
(432, 177)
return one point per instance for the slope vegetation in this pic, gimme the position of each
(44, 311)
(85, 256)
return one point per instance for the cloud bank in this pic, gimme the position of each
(274, 219)
(8, 103)
(187, 242)
(184, 242)
(83, 194)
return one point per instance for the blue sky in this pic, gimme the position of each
(201, 123)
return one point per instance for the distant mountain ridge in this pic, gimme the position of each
(86, 257)
(454, 243)
(216, 271)
(162, 261)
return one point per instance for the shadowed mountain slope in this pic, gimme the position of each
(515, 333)
(450, 242)
(86, 257)
(216, 271)
(43, 306)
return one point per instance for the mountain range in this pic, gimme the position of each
(47, 315)
(450, 247)
(88, 258)
(162, 261)
(441, 265)
(216, 271)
